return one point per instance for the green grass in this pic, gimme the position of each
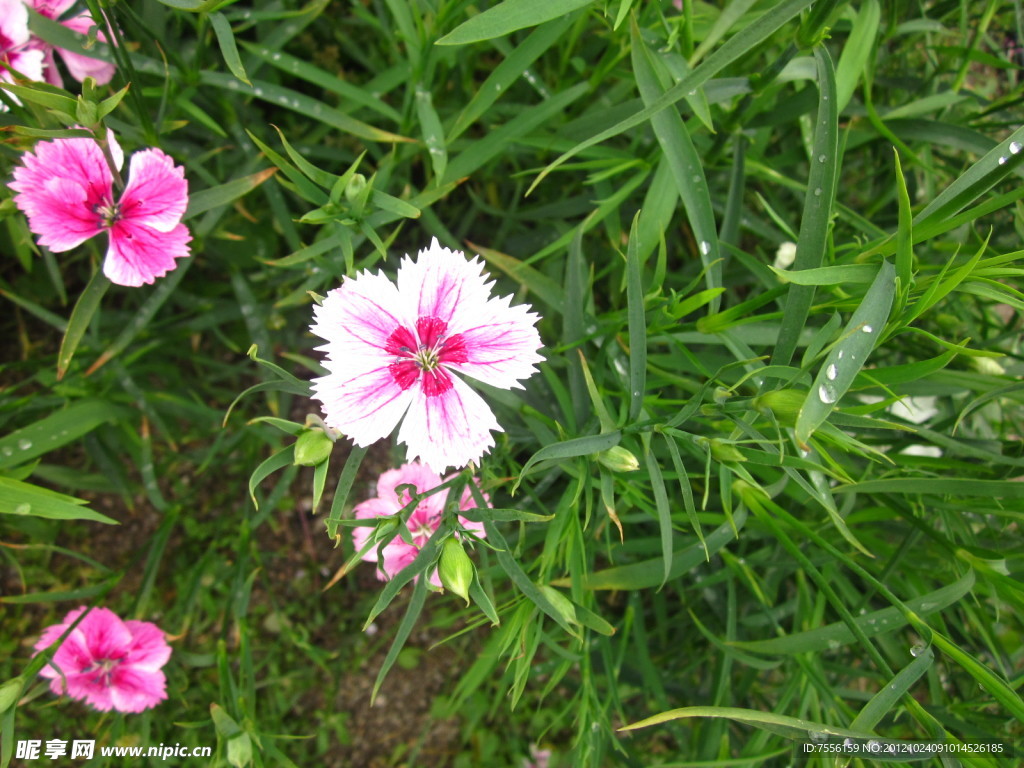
(778, 567)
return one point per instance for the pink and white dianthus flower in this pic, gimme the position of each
(15, 52)
(392, 351)
(107, 662)
(79, 66)
(67, 191)
(422, 523)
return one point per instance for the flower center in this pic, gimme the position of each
(108, 211)
(101, 669)
(421, 356)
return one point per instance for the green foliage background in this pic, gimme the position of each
(778, 566)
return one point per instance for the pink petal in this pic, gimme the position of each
(133, 689)
(443, 283)
(413, 473)
(361, 395)
(149, 649)
(87, 687)
(51, 9)
(50, 68)
(156, 194)
(139, 254)
(106, 635)
(60, 186)
(58, 212)
(13, 25)
(449, 427)
(397, 555)
(366, 406)
(81, 66)
(502, 350)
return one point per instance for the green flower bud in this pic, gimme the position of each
(312, 448)
(355, 187)
(784, 403)
(725, 452)
(456, 569)
(618, 459)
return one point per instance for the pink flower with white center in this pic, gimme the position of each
(392, 351)
(15, 53)
(422, 523)
(107, 662)
(79, 66)
(67, 191)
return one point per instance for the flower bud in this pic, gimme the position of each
(355, 187)
(312, 448)
(618, 459)
(456, 569)
(725, 452)
(784, 403)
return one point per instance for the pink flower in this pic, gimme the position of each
(392, 350)
(422, 523)
(539, 758)
(67, 191)
(107, 662)
(79, 66)
(14, 51)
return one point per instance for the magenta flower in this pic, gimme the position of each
(107, 662)
(67, 191)
(79, 66)
(422, 523)
(392, 351)
(15, 54)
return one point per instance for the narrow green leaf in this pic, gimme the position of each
(889, 696)
(528, 277)
(223, 194)
(81, 316)
(837, 275)
(817, 214)
(343, 488)
(51, 432)
(649, 573)
(637, 324)
(682, 158)
(522, 582)
(790, 727)
(664, 512)
(568, 449)
(19, 498)
(228, 49)
(306, 106)
(741, 44)
(482, 514)
(507, 72)
(858, 48)
(875, 623)
(419, 596)
(433, 133)
(508, 16)
(285, 457)
(849, 354)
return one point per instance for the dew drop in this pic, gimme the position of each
(840, 355)
(916, 650)
(705, 247)
(867, 328)
(817, 192)
(821, 158)
(24, 444)
(826, 395)
(1002, 160)
(834, 645)
(1014, 147)
(8, 451)
(831, 372)
(696, 179)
